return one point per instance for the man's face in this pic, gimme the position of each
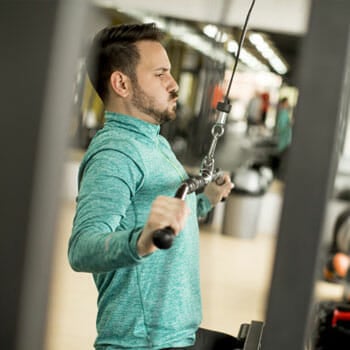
(155, 91)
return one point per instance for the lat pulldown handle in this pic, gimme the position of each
(163, 238)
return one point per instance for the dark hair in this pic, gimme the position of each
(113, 48)
(283, 100)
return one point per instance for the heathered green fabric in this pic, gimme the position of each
(144, 303)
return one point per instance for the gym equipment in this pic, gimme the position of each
(163, 238)
(336, 267)
(250, 335)
(332, 325)
(338, 261)
(341, 233)
(332, 328)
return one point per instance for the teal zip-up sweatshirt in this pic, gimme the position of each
(151, 302)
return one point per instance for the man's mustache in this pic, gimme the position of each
(173, 95)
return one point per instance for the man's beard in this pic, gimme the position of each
(147, 105)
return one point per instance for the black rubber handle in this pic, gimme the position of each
(163, 239)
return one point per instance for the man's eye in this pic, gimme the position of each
(160, 75)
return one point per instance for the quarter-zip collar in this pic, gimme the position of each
(133, 124)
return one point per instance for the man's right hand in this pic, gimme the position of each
(165, 211)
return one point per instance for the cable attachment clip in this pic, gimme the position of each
(207, 168)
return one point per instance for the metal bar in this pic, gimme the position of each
(313, 159)
(40, 42)
(253, 340)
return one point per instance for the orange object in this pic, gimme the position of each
(337, 267)
(218, 96)
(341, 263)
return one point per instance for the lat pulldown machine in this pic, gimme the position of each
(163, 238)
(249, 334)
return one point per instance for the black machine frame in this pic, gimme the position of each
(320, 117)
(41, 42)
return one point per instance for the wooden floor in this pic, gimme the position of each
(235, 275)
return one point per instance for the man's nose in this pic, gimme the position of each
(172, 84)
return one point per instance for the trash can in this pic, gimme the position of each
(243, 205)
(241, 214)
(218, 217)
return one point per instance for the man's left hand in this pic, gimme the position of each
(216, 192)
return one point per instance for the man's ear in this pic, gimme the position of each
(120, 83)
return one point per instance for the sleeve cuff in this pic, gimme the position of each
(204, 204)
(134, 237)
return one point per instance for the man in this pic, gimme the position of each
(148, 298)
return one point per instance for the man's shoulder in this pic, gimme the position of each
(110, 143)
(112, 139)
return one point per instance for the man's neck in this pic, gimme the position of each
(127, 109)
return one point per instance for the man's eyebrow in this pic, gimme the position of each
(162, 69)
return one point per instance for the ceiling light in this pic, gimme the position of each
(269, 52)
(222, 37)
(256, 39)
(232, 46)
(210, 30)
